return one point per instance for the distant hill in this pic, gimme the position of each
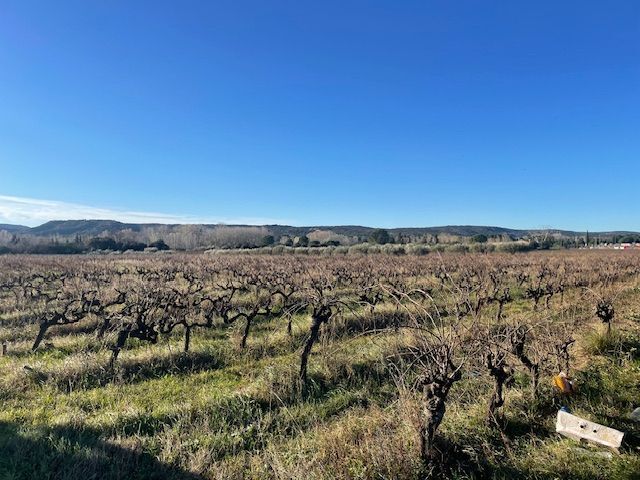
(89, 228)
(7, 227)
(82, 227)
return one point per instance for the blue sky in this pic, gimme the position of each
(519, 114)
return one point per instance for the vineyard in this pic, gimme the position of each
(234, 366)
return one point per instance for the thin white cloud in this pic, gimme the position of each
(32, 212)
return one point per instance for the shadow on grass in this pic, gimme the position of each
(135, 370)
(66, 453)
(631, 429)
(366, 323)
(514, 428)
(461, 461)
(466, 458)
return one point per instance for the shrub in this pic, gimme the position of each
(135, 246)
(514, 247)
(481, 248)
(267, 240)
(380, 236)
(302, 241)
(361, 249)
(458, 248)
(159, 244)
(393, 249)
(417, 250)
(103, 243)
(480, 238)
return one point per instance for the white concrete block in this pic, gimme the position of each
(584, 430)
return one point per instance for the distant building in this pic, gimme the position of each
(626, 246)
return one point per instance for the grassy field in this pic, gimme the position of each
(220, 411)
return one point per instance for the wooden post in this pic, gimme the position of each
(4, 348)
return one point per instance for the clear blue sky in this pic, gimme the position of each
(395, 113)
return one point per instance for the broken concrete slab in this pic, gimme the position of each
(635, 415)
(577, 428)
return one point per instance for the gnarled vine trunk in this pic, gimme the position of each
(245, 334)
(435, 396)
(41, 333)
(432, 416)
(187, 337)
(314, 333)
